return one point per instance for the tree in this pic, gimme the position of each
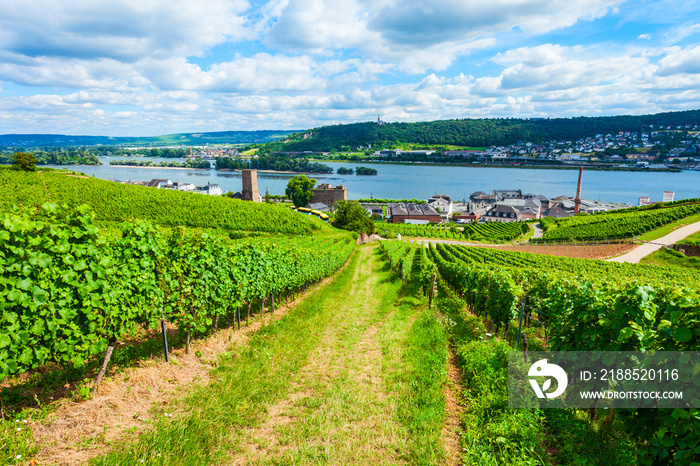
(299, 190)
(24, 161)
(350, 215)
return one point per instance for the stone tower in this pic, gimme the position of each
(250, 186)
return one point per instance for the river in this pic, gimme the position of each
(423, 181)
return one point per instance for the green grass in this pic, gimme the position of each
(492, 433)
(16, 442)
(671, 258)
(113, 202)
(247, 381)
(418, 372)
(577, 441)
(692, 239)
(666, 229)
(353, 375)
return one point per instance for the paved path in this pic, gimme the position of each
(538, 230)
(645, 249)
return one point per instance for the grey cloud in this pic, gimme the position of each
(425, 23)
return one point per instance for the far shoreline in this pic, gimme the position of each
(271, 171)
(379, 162)
(535, 167)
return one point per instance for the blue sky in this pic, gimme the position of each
(150, 67)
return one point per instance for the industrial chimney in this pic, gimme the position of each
(577, 200)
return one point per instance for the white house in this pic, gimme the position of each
(211, 189)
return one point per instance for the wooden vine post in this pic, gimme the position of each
(105, 362)
(520, 321)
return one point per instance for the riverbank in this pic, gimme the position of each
(432, 164)
(521, 166)
(273, 172)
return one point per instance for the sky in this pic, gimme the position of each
(153, 67)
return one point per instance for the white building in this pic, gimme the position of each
(211, 189)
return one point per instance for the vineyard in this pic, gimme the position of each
(583, 305)
(68, 293)
(616, 224)
(485, 232)
(358, 372)
(495, 231)
(113, 202)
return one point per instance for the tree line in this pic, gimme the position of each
(280, 163)
(475, 132)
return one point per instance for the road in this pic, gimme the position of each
(538, 230)
(644, 250)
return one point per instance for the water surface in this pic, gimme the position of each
(423, 181)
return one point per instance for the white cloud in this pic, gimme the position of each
(68, 73)
(124, 30)
(155, 67)
(259, 73)
(679, 60)
(316, 26)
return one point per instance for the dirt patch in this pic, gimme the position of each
(364, 238)
(453, 413)
(581, 251)
(367, 354)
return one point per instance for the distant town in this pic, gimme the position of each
(658, 148)
(661, 147)
(500, 205)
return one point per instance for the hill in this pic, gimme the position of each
(113, 202)
(476, 132)
(188, 139)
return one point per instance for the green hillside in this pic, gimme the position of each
(115, 202)
(313, 349)
(476, 132)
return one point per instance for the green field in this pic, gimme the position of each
(290, 344)
(489, 232)
(113, 202)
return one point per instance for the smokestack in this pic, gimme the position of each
(577, 199)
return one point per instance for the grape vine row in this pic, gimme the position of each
(67, 292)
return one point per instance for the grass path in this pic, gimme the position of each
(336, 406)
(354, 375)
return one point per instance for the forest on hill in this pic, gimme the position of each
(460, 132)
(476, 132)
